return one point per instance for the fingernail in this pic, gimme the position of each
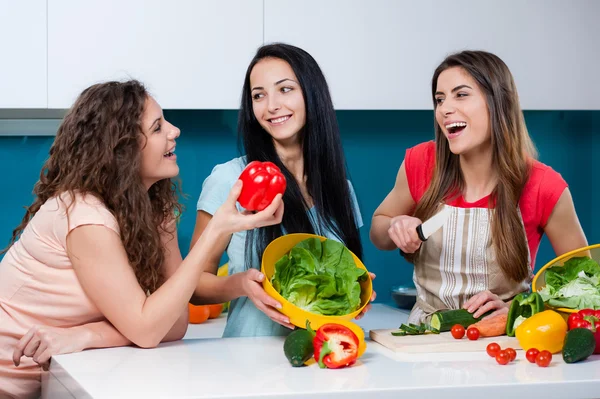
(278, 306)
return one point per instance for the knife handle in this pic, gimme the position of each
(420, 233)
(421, 237)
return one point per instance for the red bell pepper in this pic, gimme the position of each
(335, 346)
(587, 318)
(262, 182)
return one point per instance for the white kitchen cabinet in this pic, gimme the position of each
(381, 54)
(189, 53)
(23, 54)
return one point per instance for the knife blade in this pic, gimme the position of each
(433, 224)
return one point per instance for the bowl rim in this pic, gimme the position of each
(552, 263)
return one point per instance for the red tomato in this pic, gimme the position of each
(532, 354)
(543, 359)
(492, 349)
(503, 357)
(512, 354)
(457, 331)
(473, 333)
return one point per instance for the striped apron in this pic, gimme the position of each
(459, 261)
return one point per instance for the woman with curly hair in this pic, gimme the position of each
(95, 262)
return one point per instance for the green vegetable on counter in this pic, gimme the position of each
(414, 329)
(522, 307)
(298, 345)
(320, 277)
(445, 319)
(579, 345)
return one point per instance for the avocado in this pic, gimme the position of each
(579, 344)
(298, 347)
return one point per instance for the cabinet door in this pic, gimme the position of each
(381, 54)
(189, 53)
(23, 54)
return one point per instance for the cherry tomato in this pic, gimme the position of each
(503, 357)
(532, 354)
(457, 331)
(512, 354)
(473, 333)
(543, 359)
(492, 349)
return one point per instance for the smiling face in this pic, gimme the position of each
(462, 111)
(277, 100)
(158, 145)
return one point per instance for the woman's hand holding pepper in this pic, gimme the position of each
(230, 220)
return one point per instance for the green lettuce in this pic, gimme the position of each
(320, 277)
(576, 285)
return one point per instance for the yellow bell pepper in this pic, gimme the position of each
(544, 331)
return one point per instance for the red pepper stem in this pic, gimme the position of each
(325, 350)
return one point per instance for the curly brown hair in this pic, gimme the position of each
(97, 151)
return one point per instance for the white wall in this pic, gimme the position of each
(23, 54)
(376, 54)
(381, 54)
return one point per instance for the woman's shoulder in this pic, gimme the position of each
(234, 166)
(541, 192)
(419, 163)
(543, 178)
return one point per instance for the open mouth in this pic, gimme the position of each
(169, 154)
(455, 128)
(279, 120)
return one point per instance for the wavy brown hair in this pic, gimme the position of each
(97, 151)
(513, 152)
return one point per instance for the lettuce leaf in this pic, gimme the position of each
(320, 277)
(575, 285)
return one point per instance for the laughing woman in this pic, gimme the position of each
(482, 167)
(96, 263)
(287, 118)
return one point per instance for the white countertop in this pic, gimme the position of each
(205, 366)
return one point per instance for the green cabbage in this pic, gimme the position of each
(320, 277)
(576, 285)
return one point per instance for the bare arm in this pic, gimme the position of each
(172, 261)
(563, 228)
(102, 266)
(398, 202)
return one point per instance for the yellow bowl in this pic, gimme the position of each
(281, 246)
(539, 281)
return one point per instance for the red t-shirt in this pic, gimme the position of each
(540, 194)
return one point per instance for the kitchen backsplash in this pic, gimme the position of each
(375, 143)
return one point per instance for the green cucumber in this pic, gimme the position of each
(445, 319)
(579, 345)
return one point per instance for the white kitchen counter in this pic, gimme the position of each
(203, 366)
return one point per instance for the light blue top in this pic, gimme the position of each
(244, 319)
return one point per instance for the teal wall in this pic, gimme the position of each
(374, 141)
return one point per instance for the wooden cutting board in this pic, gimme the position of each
(432, 343)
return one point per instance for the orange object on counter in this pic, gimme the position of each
(198, 313)
(215, 310)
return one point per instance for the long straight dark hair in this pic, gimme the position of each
(324, 162)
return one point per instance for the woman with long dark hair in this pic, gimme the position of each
(286, 117)
(95, 262)
(482, 169)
